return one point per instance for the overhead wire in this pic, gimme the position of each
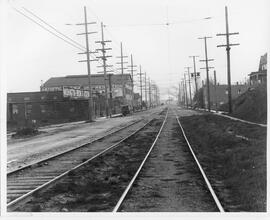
(77, 45)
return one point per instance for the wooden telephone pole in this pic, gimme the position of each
(185, 85)
(189, 82)
(132, 70)
(207, 71)
(145, 90)
(104, 66)
(149, 85)
(140, 74)
(215, 83)
(228, 47)
(195, 73)
(122, 72)
(86, 33)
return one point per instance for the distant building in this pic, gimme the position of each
(80, 82)
(65, 99)
(260, 76)
(219, 95)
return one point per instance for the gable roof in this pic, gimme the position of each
(82, 80)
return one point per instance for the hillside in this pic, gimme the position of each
(251, 105)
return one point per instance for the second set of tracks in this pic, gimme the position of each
(91, 179)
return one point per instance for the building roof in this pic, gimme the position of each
(82, 80)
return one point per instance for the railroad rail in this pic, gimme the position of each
(22, 183)
(48, 178)
(128, 188)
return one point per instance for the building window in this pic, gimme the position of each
(28, 108)
(43, 108)
(26, 98)
(15, 109)
(239, 91)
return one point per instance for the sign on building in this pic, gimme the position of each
(75, 93)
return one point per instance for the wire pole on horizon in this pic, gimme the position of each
(228, 47)
(207, 71)
(86, 33)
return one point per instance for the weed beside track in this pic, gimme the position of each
(233, 155)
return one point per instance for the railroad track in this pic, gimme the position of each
(122, 188)
(25, 181)
(119, 204)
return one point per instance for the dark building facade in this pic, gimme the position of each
(41, 108)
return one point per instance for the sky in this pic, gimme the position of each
(33, 55)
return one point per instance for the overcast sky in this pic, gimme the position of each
(34, 54)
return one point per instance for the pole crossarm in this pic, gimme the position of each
(88, 52)
(124, 68)
(87, 23)
(121, 56)
(210, 67)
(228, 45)
(92, 32)
(120, 62)
(234, 33)
(102, 57)
(202, 38)
(206, 60)
(100, 49)
(103, 41)
(88, 60)
(106, 66)
(107, 71)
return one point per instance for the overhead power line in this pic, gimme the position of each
(70, 41)
(47, 29)
(32, 13)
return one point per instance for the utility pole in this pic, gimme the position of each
(149, 85)
(122, 72)
(190, 97)
(195, 73)
(207, 70)
(140, 74)
(132, 70)
(215, 83)
(105, 71)
(145, 90)
(185, 90)
(90, 99)
(182, 92)
(110, 92)
(179, 94)
(228, 47)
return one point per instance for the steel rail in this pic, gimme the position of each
(218, 204)
(73, 149)
(15, 203)
(123, 196)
